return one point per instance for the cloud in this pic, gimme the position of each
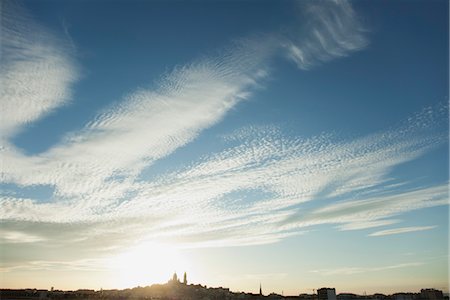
(18, 237)
(359, 270)
(357, 225)
(37, 70)
(253, 191)
(333, 30)
(91, 168)
(401, 230)
(40, 265)
(151, 124)
(374, 211)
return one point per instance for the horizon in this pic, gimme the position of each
(294, 143)
(170, 282)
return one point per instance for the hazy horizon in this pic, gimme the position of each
(254, 291)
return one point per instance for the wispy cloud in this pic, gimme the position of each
(40, 265)
(401, 230)
(246, 193)
(375, 211)
(359, 270)
(37, 70)
(151, 123)
(87, 167)
(357, 225)
(253, 191)
(333, 30)
(18, 237)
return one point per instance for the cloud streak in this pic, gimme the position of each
(359, 270)
(18, 237)
(401, 230)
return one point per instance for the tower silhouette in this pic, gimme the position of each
(185, 278)
(260, 289)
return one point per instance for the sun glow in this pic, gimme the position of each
(146, 264)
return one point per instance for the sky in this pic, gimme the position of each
(293, 144)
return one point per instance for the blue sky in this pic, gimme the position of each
(297, 144)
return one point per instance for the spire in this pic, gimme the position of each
(185, 278)
(260, 289)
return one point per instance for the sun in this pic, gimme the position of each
(147, 263)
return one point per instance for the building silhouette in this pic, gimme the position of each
(326, 294)
(431, 294)
(175, 289)
(174, 279)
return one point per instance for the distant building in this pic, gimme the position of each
(326, 294)
(379, 296)
(346, 296)
(275, 296)
(185, 278)
(431, 294)
(403, 296)
(304, 297)
(260, 289)
(174, 279)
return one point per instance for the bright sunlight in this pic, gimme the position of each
(146, 264)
